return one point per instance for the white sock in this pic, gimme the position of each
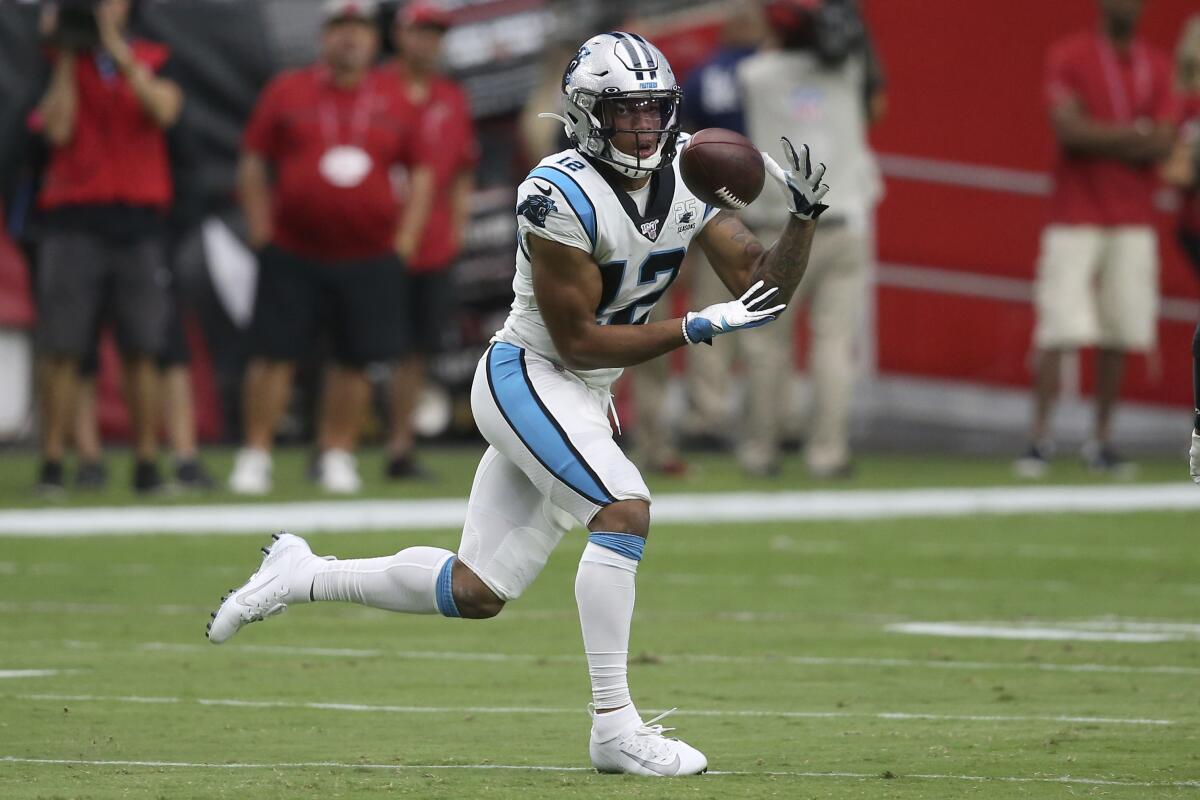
(416, 581)
(604, 592)
(611, 725)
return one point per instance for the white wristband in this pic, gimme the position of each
(686, 339)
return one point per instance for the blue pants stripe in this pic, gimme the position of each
(513, 392)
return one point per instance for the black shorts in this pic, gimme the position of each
(176, 351)
(83, 279)
(297, 298)
(431, 310)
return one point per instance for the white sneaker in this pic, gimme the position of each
(285, 576)
(643, 750)
(339, 472)
(251, 472)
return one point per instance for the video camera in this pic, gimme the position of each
(76, 28)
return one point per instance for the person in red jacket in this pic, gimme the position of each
(328, 235)
(104, 197)
(443, 199)
(1112, 109)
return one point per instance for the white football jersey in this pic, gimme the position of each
(566, 199)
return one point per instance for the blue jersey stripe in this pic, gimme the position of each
(538, 430)
(575, 195)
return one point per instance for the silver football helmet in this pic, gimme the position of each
(617, 76)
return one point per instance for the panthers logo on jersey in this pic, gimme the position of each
(535, 208)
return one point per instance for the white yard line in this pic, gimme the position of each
(1063, 779)
(285, 651)
(1066, 631)
(393, 709)
(35, 673)
(738, 507)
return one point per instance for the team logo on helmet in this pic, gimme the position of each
(536, 208)
(580, 55)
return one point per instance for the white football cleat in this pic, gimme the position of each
(643, 750)
(285, 576)
(251, 472)
(339, 472)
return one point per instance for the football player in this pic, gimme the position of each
(603, 228)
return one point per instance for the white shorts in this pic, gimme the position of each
(1097, 286)
(552, 462)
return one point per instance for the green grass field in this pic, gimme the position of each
(777, 642)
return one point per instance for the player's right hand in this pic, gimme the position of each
(1195, 457)
(743, 313)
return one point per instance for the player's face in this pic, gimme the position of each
(349, 45)
(637, 122)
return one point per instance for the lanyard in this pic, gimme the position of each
(360, 117)
(1123, 109)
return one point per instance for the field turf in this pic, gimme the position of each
(778, 642)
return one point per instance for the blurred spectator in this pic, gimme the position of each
(1111, 107)
(711, 99)
(816, 83)
(442, 196)
(1182, 169)
(328, 237)
(104, 197)
(539, 135)
(177, 413)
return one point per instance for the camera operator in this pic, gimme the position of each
(817, 80)
(106, 190)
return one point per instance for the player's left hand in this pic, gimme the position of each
(744, 313)
(801, 184)
(1195, 457)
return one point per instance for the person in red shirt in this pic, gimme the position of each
(1182, 169)
(444, 199)
(328, 238)
(104, 197)
(1112, 108)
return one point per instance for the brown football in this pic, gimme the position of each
(722, 168)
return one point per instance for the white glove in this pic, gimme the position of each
(743, 313)
(1195, 457)
(801, 184)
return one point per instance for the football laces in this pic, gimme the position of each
(730, 198)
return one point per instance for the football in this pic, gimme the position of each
(722, 168)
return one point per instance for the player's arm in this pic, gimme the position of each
(567, 286)
(737, 256)
(740, 260)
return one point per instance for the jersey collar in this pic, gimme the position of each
(662, 196)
